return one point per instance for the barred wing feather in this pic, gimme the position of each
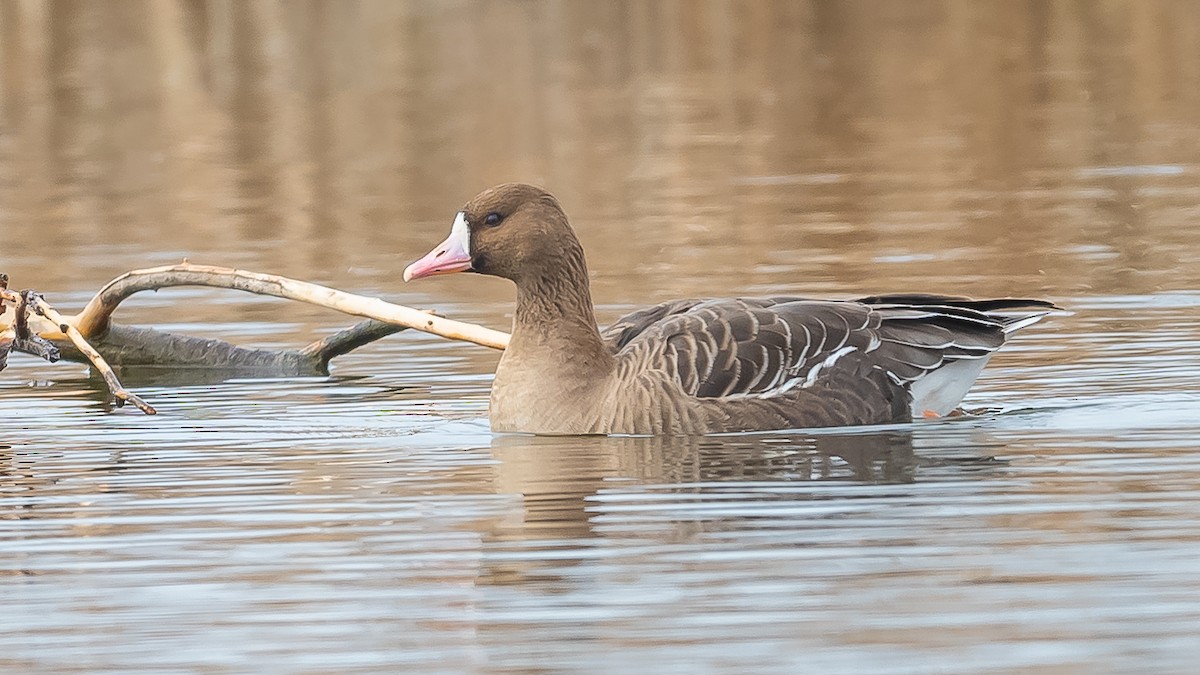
(767, 347)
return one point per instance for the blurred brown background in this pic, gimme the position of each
(846, 145)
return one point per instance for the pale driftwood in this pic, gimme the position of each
(129, 346)
(24, 339)
(37, 328)
(16, 333)
(123, 395)
(96, 316)
(30, 301)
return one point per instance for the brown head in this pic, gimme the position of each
(514, 231)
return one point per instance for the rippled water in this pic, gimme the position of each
(370, 522)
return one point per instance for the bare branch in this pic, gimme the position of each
(37, 328)
(42, 308)
(25, 340)
(96, 316)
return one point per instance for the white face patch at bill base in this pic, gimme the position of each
(461, 232)
(451, 256)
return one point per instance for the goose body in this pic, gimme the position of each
(707, 366)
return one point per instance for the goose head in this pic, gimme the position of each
(513, 231)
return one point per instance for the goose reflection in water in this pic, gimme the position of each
(572, 486)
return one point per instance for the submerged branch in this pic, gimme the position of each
(346, 341)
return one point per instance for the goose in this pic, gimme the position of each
(704, 366)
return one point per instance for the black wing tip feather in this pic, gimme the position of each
(989, 305)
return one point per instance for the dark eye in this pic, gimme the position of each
(492, 219)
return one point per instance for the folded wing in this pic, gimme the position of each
(769, 346)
